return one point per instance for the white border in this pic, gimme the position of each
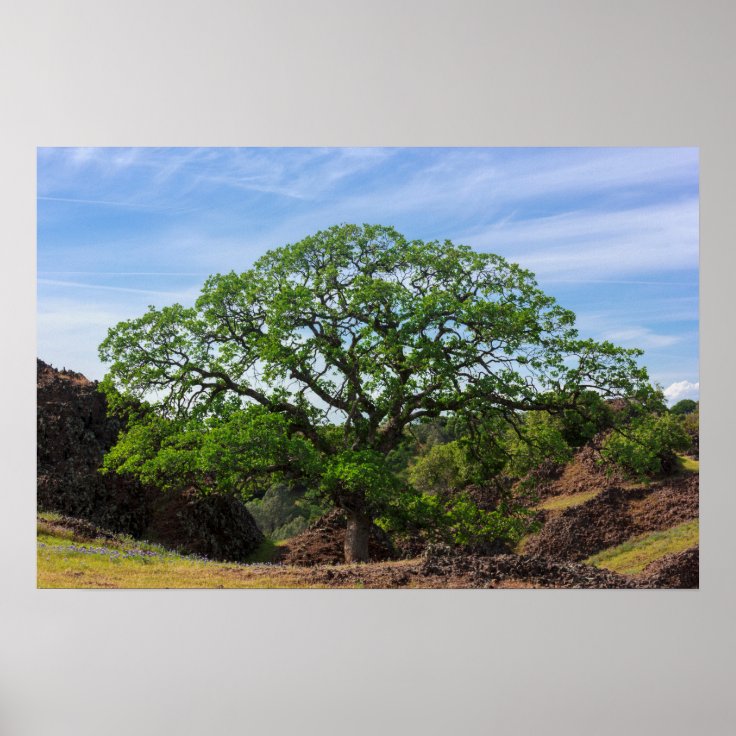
(572, 72)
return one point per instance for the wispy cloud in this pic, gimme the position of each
(595, 245)
(613, 231)
(642, 337)
(117, 274)
(104, 287)
(105, 202)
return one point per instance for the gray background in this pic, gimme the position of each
(359, 73)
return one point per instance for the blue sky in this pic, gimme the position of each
(612, 233)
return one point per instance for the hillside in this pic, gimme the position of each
(74, 432)
(597, 531)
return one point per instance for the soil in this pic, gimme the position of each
(323, 543)
(582, 473)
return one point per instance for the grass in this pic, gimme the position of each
(268, 551)
(66, 560)
(689, 464)
(631, 557)
(559, 503)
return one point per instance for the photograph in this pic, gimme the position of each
(368, 367)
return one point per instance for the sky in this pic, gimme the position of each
(611, 233)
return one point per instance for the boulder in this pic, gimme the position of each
(73, 434)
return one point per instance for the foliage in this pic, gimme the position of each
(685, 406)
(469, 525)
(442, 468)
(691, 423)
(359, 480)
(539, 438)
(648, 446)
(590, 416)
(455, 519)
(284, 510)
(317, 362)
(229, 453)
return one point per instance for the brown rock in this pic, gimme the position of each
(74, 432)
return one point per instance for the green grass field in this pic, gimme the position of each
(631, 557)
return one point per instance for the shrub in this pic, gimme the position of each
(648, 446)
(465, 524)
(456, 519)
(540, 439)
(691, 423)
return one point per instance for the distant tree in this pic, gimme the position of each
(691, 423)
(314, 363)
(685, 406)
(442, 468)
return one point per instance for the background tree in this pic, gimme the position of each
(325, 351)
(684, 406)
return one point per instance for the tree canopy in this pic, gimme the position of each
(315, 361)
(684, 406)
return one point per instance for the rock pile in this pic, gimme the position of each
(581, 531)
(583, 473)
(486, 571)
(323, 543)
(615, 515)
(74, 432)
(669, 503)
(680, 570)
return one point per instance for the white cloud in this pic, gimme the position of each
(682, 390)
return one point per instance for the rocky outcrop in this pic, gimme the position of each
(74, 432)
(615, 515)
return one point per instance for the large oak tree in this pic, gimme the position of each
(315, 361)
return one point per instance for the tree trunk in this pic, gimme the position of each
(357, 534)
